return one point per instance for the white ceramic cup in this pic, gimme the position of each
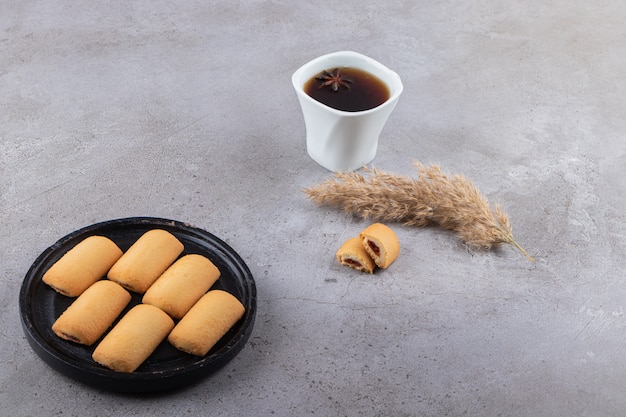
(339, 140)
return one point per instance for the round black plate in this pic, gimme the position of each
(167, 368)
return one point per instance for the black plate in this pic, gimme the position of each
(167, 368)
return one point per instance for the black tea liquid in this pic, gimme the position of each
(347, 89)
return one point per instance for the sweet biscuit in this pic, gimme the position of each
(146, 260)
(381, 243)
(182, 284)
(92, 313)
(133, 339)
(82, 265)
(353, 254)
(206, 323)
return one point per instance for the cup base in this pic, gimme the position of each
(341, 166)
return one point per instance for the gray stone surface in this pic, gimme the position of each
(185, 110)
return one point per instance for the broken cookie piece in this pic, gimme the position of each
(381, 243)
(353, 254)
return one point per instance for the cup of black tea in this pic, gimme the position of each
(346, 99)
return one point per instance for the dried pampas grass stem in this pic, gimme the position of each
(452, 202)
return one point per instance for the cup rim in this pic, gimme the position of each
(391, 78)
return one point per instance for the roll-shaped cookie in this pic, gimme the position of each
(146, 260)
(381, 243)
(353, 254)
(92, 313)
(133, 339)
(82, 265)
(206, 323)
(182, 284)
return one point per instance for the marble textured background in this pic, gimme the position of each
(185, 110)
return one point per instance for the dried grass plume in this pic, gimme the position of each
(452, 202)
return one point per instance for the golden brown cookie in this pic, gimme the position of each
(92, 313)
(82, 265)
(133, 339)
(182, 284)
(353, 254)
(381, 243)
(206, 323)
(146, 260)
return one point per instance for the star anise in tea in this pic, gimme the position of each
(334, 79)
